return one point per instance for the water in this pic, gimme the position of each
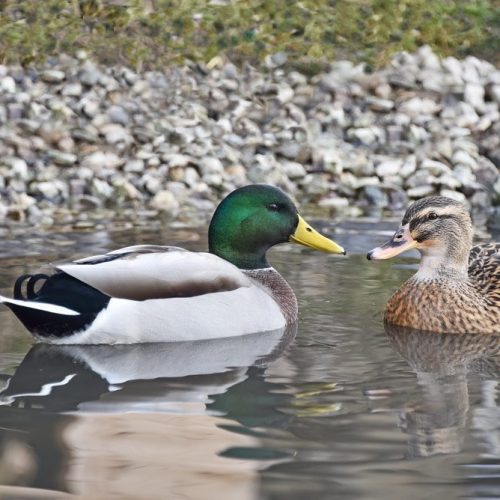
(336, 408)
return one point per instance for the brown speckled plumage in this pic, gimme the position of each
(448, 294)
(442, 305)
(279, 290)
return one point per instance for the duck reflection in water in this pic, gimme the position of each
(443, 364)
(156, 392)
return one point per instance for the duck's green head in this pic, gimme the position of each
(252, 219)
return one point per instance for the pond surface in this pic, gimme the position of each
(336, 408)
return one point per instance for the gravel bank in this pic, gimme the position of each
(78, 136)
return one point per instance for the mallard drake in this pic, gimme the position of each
(151, 293)
(456, 288)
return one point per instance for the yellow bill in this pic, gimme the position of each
(309, 237)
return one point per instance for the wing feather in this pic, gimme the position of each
(484, 269)
(152, 272)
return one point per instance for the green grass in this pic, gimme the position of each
(154, 33)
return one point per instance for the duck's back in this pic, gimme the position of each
(484, 270)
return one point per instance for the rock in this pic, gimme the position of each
(474, 95)
(378, 104)
(63, 159)
(389, 166)
(118, 115)
(89, 75)
(464, 175)
(17, 166)
(454, 195)
(46, 189)
(408, 167)
(420, 191)
(101, 160)
(435, 167)
(376, 196)
(461, 157)
(336, 203)
(8, 85)
(211, 165)
(53, 76)
(114, 133)
(496, 189)
(73, 89)
(136, 166)
(102, 189)
(166, 202)
(367, 136)
(294, 170)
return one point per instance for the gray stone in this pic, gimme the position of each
(378, 104)
(102, 189)
(376, 196)
(63, 159)
(408, 167)
(294, 170)
(389, 166)
(118, 115)
(420, 191)
(454, 195)
(46, 189)
(73, 89)
(134, 165)
(464, 158)
(52, 76)
(464, 175)
(165, 201)
(435, 167)
(114, 133)
(89, 75)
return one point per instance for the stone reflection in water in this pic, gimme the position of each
(442, 363)
(138, 424)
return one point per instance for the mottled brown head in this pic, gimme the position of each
(440, 228)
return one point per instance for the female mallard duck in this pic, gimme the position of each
(150, 293)
(456, 288)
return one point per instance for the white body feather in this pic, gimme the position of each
(210, 316)
(161, 294)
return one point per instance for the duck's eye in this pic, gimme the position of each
(274, 207)
(432, 216)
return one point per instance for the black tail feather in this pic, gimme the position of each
(62, 290)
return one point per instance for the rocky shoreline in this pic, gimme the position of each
(76, 136)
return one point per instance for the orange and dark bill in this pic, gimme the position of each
(399, 243)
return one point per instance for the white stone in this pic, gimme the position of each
(211, 165)
(389, 167)
(474, 95)
(134, 165)
(73, 89)
(463, 157)
(420, 191)
(463, 174)
(408, 167)
(294, 170)
(435, 167)
(101, 159)
(454, 195)
(53, 76)
(8, 84)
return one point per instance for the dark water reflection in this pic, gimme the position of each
(340, 408)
